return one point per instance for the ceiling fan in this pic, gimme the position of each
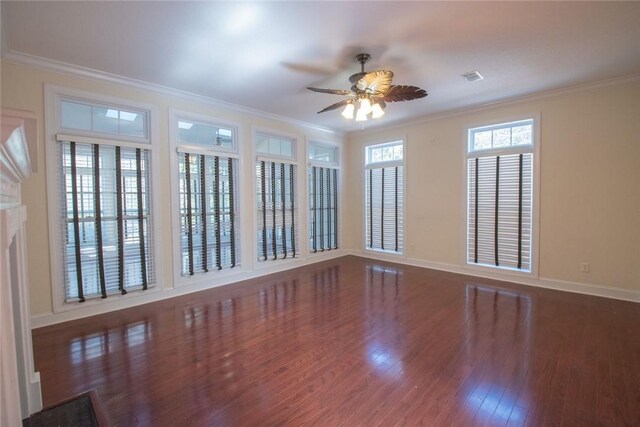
(370, 93)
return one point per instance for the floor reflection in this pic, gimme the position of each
(382, 292)
(501, 320)
(498, 403)
(100, 344)
(277, 297)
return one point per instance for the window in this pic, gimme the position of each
(208, 197)
(93, 118)
(322, 176)
(500, 195)
(384, 198)
(104, 195)
(276, 197)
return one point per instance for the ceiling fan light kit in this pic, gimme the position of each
(369, 93)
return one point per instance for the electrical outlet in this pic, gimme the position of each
(584, 267)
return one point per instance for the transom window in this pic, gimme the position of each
(94, 118)
(515, 134)
(322, 153)
(206, 135)
(274, 145)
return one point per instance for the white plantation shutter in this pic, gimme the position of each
(105, 204)
(209, 237)
(277, 210)
(384, 199)
(323, 208)
(500, 206)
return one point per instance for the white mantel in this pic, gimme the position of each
(19, 383)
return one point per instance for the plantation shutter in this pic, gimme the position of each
(384, 208)
(323, 208)
(500, 210)
(208, 213)
(106, 222)
(277, 232)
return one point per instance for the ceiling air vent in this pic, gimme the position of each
(472, 76)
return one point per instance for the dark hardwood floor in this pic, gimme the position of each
(355, 342)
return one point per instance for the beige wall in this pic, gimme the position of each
(589, 198)
(23, 88)
(589, 184)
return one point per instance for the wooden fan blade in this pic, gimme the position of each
(375, 82)
(336, 105)
(404, 93)
(331, 91)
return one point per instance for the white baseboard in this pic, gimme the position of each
(542, 282)
(47, 319)
(145, 297)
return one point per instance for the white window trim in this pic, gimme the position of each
(53, 95)
(367, 166)
(535, 214)
(297, 159)
(331, 165)
(175, 147)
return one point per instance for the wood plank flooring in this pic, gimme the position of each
(355, 342)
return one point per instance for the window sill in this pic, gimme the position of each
(383, 251)
(97, 301)
(499, 271)
(213, 275)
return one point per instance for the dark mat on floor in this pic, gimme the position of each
(80, 411)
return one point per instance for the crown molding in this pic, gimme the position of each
(79, 71)
(502, 103)
(76, 70)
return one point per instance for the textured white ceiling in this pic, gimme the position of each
(263, 55)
